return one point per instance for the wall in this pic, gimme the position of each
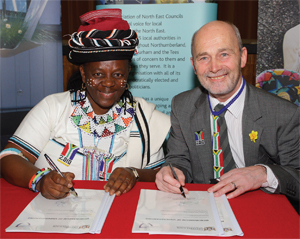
(33, 69)
(241, 13)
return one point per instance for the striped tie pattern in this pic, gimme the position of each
(228, 162)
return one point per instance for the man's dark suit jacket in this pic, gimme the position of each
(276, 120)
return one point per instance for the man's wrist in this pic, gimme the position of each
(272, 182)
(265, 183)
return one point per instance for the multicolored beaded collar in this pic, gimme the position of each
(113, 122)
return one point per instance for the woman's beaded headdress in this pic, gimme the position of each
(102, 36)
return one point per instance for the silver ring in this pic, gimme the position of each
(234, 185)
(127, 180)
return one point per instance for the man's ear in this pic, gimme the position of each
(244, 57)
(192, 61)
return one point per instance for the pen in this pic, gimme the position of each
(214, 180)
(175, 175)
(55, 168)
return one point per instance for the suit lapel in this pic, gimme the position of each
(251, 115)
(200, 121)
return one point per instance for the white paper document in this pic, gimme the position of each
(199, 214)
(83, 214)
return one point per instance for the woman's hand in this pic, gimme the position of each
(54, 186)
(122, 180)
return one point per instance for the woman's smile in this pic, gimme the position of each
(107, 94)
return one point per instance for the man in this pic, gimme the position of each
(263, 130)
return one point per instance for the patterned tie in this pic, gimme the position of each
(221, 145)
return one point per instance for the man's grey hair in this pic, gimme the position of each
(237, 34)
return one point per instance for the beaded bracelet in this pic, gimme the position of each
(37, 177)
(10, 151)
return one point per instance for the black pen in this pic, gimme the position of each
(214, 180)
(175, 175)
(55, 168)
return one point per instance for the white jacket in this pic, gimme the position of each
(47, 128)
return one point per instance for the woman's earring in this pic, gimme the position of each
(82, 94)
(83, 87)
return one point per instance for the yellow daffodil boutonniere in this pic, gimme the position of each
(253, 136)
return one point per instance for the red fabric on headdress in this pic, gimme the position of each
(104, 20)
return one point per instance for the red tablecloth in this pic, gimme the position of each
(260, 215)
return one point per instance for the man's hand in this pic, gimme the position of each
(240, 180)
(54, 186)
(165, 180)
(122, 180)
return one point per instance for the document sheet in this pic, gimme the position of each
(83, 214)
(199, 214)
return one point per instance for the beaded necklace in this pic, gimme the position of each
(113, 122)
(94, 129)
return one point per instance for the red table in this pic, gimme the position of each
(259, 214)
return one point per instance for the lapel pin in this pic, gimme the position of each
(253, 136)
(199, 137)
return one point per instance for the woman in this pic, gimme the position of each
(99, 132)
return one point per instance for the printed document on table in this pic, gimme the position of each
(83, 214)
(199, 214)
